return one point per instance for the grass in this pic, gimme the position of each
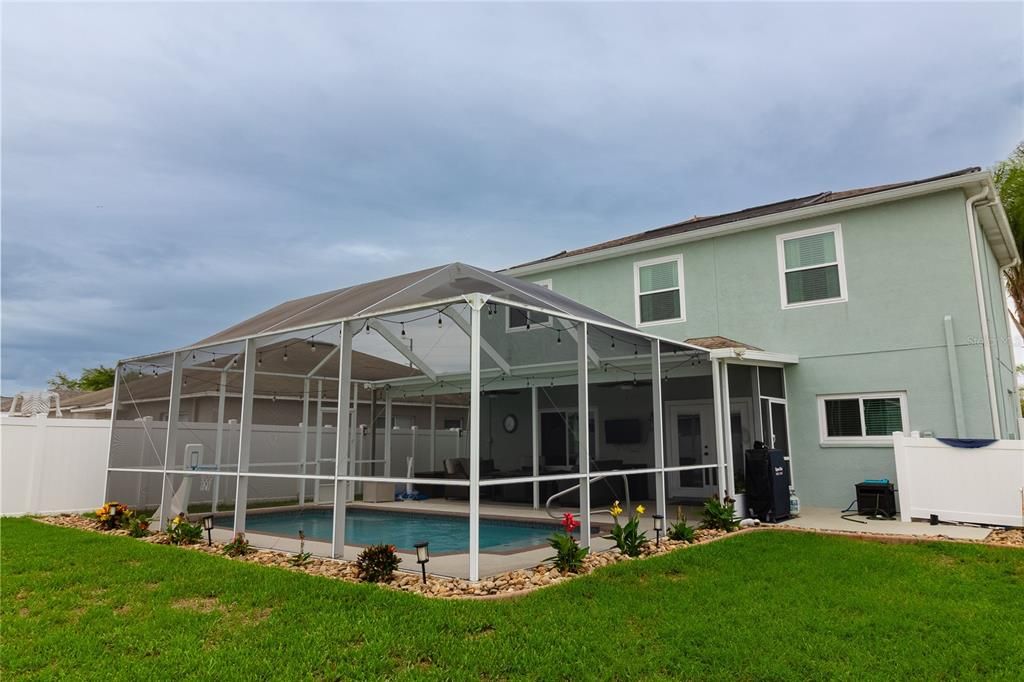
(757, 606)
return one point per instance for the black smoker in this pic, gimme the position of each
(768, 484)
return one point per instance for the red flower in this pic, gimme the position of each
(569, 523)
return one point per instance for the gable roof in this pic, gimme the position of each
(698, 223)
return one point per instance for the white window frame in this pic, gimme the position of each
(509, 329)
(678, 259)
(780, 241)
(859, 441)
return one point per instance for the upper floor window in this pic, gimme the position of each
(862, 419)
(811, 269)
(658, 290)
(519, 319)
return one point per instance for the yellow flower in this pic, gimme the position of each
(640, 509)
(616, 509)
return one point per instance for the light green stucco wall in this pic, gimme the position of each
(908, 265)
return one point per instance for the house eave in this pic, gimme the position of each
(972, 180)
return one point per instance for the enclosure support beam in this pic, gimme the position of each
(730, 477)
(535, 443)
(460, 322)
(433, 433)
(323, 362)
(113, 424)
(716, 391)
(318, 448)
(583, 380)
(218, 448)
(476, 302)
(659, 431)
(571, 331)
(245, 435)
(402, 348)
(387, 431)
(303, 440)
(342, 455)
(171, 444)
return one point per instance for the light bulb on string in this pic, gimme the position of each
(559, 339)
(636, 351)
(312, 346)
(285, 356)
(613, 342)
(439, 323)
(259, 359)
(403, 329)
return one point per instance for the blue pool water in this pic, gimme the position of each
(403, 530)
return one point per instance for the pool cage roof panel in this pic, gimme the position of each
(433, 287)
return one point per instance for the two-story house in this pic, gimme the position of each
(891, 299)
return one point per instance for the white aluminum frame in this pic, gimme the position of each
(344, 477)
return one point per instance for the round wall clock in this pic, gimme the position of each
(510, 423)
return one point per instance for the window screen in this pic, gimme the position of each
(659, 291)
(811, 268)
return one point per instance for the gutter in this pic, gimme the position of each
(972, 230)
(982, 177)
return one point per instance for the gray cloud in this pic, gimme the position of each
(170, 169)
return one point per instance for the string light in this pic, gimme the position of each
(403, 329)
(212, 363)
(613, 342)
(259, 359)
(636, 351)
(285, 357)
(312, 346)
(559, 339)
(193, 356)
(439, 323)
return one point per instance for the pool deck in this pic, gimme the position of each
(457, 565)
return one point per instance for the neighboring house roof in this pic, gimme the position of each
(199, 382)
(699, 223)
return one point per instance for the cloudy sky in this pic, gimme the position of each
(170, 169)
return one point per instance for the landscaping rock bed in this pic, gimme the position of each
(509, 584)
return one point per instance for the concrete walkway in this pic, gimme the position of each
(821, 518)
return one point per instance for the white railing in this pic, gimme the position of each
(52, 465)
(971, 485)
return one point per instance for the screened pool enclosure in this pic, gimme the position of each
(474, 409)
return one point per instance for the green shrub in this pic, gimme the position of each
(377, 563)
(628, 538)
(238, 546)
(181, 532)
(138, 526)
(680, 530)
(720, 515)
(569, 555)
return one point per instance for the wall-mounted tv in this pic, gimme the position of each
(623, 431)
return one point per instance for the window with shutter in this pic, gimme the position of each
(519, 319)
(811, 267)
(659, 290)
(865, 419)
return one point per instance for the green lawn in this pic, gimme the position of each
(757, 606)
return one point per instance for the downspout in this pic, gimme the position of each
(986, 339)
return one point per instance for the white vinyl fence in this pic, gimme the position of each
(52, 465)
(972, 485)
(60, 465)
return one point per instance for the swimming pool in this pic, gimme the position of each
(401, 529)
